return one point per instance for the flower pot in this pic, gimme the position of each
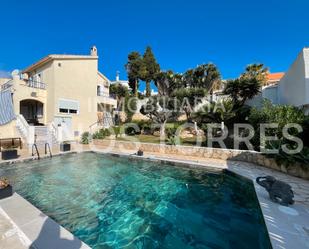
(6, 192)
(9, 154)
(65, 147)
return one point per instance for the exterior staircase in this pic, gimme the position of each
(44, 135)
(107, 119)
(35, 134)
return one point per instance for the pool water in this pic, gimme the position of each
(117, 202)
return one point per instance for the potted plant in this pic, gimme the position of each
(65, 146)
(9, 152)
(6, 189)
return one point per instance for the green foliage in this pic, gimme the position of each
(189, 98)
(289, 159)
(117, 130)
(257, 71)
(215, 113)
(171, 140)
(242, 89)
(144, 126)
(170, 131)
(151, 69)
(85, 138)
(129, 107)
(101, 134)
(160, 110)
(281, 115)
(206, 76)
(135, 69)
(118, 90)
(171, 135)
(131, 131)
(167, 82)
(247, 85)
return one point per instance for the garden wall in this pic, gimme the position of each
(204, 152)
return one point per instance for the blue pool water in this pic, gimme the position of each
(116, 202)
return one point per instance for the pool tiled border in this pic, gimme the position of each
(287, 226)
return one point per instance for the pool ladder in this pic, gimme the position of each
(35, 149)
(49, 150)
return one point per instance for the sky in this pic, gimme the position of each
(182, 33)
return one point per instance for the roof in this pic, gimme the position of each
(103, 76)
(274, 76)
(51, 57)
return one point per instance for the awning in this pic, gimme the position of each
(6, 107)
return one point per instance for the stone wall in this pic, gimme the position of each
(204, 152)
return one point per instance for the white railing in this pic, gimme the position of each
(26, 130)
(35, 84)
(56, 132)
(7, 85)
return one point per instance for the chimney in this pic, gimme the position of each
(117, 76)
(93, 51)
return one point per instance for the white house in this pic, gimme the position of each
(293, 88)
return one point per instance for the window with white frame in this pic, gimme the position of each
(68, 106)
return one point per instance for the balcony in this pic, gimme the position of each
(105, 98)
(7, 85)
(35, 84)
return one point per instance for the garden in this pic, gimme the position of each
(197, 107)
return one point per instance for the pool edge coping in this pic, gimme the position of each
(276, 240)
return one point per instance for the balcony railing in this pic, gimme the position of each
(7, 85)
(35, 84)
(104, 94)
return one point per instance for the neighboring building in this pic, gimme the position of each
(64, 91)
(294, 86)
(121, 82)
(290, 88)
(273, 78)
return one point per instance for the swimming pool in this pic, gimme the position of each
(117, 202)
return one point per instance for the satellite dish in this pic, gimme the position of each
(15, 72)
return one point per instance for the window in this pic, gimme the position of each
(68, 106)
(63, 110)
(72, 111)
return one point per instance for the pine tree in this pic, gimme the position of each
(135, 69)
(151, 69)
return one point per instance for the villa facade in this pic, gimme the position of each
(63, 94)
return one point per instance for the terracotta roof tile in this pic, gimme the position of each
(274, 76)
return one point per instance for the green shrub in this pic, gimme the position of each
(101, 134)
(117, 130)
(130, 107)
(144, 126)
(130, 131)
(289, 159)
(85, 138)
(170, 132)
(280, 114)
(171, 140)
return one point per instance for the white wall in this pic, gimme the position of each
(271, 93)
(306, 59)
(293, 87)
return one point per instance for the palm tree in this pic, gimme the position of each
(215, 112)
(247, 85)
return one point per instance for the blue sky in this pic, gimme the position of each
(182, 33)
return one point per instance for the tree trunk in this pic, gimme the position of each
(136, 88)
(148, 89)
(162, 129)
